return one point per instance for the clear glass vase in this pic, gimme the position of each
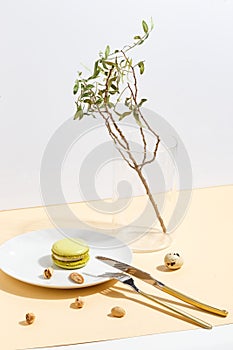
(107, 193)
(145, 194)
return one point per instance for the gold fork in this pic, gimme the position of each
(126, 279)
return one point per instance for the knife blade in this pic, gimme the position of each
(147, 278)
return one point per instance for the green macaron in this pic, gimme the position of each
(70, 253)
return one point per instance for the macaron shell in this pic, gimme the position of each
(69, 247)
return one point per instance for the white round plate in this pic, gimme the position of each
(25, 257)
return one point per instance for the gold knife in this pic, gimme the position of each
(146, 277)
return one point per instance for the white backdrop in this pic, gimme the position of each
(188, 78)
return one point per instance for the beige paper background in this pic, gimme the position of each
(205, 239)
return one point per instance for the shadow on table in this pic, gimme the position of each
(166, 300)
(118, 294)
(13, 286)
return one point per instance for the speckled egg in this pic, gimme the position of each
(173, 261)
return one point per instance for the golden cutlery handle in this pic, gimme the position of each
(194, 319)
(192, 301)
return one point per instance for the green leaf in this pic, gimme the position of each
(142, 101)
(87, 100)
(114, 87)
(109, 63)
(89, 86)
(128, 102)
(151, 24)
(99, 101)
(140, 42)
(76, 87)
(104, 65)
(141, 67)
(125, 114)
(114, 78)
(136, 117)
(137, 37)
(110, 104)
(96, 70)
(96, 74)
(86, 94)
(79, 113)
(110, 82)
(107, 51)
(145, 27)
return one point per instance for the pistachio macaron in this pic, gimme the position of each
(69, 253)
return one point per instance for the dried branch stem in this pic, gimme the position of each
(109, 75)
